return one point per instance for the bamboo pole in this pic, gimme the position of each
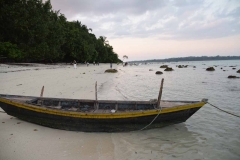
(40, 101)
(160, 94)
(96, 103)
(96, 90)
(41, 95)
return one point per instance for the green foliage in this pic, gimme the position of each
(32, 31)
(10, 50)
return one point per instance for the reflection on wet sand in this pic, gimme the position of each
(172, 141)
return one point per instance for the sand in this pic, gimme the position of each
(208, 134)
(22, 140)
(62, 81)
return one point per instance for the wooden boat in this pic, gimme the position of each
(111, 116)
(98, 115)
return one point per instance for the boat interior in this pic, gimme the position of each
(95, 106)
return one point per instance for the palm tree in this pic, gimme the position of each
(104, 40)
(124, 57)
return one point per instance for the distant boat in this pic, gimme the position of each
(98, 115)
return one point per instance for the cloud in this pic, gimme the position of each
(167, 19)
(102, 7)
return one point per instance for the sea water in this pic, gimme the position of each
(208, 134)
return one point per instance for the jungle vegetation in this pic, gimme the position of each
(31, 31)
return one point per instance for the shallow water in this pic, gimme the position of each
(208, 134)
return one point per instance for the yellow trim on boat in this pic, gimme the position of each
(101, 115)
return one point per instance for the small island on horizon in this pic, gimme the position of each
(190, 58)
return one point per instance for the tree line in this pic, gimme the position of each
(31, 31)
(191, 58)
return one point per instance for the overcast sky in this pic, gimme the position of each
(156, 29)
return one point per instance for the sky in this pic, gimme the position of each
(158, 29)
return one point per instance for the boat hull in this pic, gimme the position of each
(95, 124)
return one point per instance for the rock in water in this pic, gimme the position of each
(233, 76)
(164, 66)
(210, 69)
(111, 71)
(168, 69)
(158, 72)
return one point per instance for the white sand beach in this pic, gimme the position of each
(22, 140)
(61, 81)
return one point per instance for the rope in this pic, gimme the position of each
(2, 111)
(161, 110)
(152, 120)
(224, 110)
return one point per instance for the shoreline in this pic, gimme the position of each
(60, 81)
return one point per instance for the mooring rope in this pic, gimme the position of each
(207, 102)
(224, 110)
(152, 120)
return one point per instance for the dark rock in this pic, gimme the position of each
(150, 69)
(164, 66)
(238, 71)
(210, 69)
(111, 71)
(159, 72)
(194, 66)
(233, 76)
(221, 68)
(168, 69)
(180, 66)
(233, 68)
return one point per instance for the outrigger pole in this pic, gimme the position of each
(160, 94)
(41, 95)
(96, 103)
